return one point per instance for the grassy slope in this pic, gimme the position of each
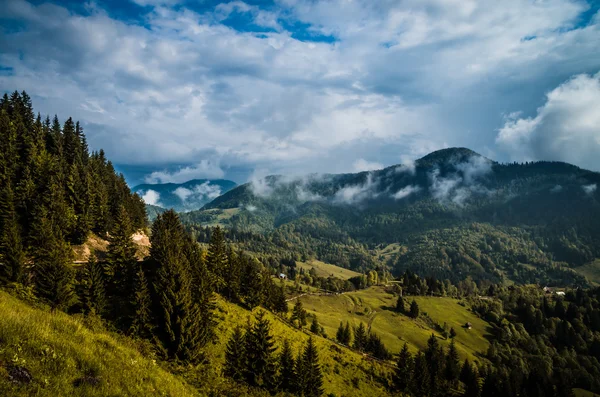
(58, 349)
(340, 365)
(325, 269)
(591, 271)
(373, 306)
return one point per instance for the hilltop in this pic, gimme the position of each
(530, 222)
(187, 196)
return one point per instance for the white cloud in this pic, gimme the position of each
(476, 167)
(556, 189)
(406, 166)
(151, 197)
(406, 191)
(566, 127)
(364, 165)
(182, 193)
(251, 207)
(589, 189)
(400, 78)
(355, 194)
(205, 169)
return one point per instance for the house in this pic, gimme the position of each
(468, 325)
(282, 276)
(560, 293)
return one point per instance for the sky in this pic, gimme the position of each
(174, 90)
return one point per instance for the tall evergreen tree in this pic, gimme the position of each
(287, 372)
(260, 348)
(315, 328)
(404, 370)
(414, 309)
(120, 268)
(12, 255)
(94, 297)
(360, 337)
(452, 365)
(311, 382)
(299, 314)
(141, 305)
(235, 356)
(54, 276)
(435, 359)
(179, 319)
(420, 381)
(217, 258)
(400, 304)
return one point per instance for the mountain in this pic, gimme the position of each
(450, 214)
(187, 196)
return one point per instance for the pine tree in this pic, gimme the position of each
(279, 302)
(299, 314)
(347, 334)
(471, 382)
(434, 357)
(420, 381)
(12, 255)
(235, 356)
(404, 370)
(259, 347)
(287, 372)
(315, 328)
(120, 268)
(340, 334)
(141, 305)
(452, 366)
(400, 305)
(452, 333)
(93, 283)
(54, 277)
(360, 337)
(217, 258)
(414, 309)
(311, 382)
(179, 319)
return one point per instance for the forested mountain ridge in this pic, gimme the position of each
(187, 196)
(453, 212)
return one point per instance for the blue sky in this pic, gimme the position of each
(175, 90)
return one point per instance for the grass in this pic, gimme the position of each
(591, 271)
(340, 365)
(325, 269)
(58, 349)
(584, 393)
(373, 306)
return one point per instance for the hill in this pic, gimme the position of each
(187, 196)
(450, 214)
(53, 354)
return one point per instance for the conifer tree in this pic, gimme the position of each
(54, 277)
(404, 370)
(347, 334)
(315, 328)
(12, 255)
(435, 359)
(260, 348)
(93, 286)
(311, 371)
(452, 333)
(299, 314)
(179, 319)
(340, 334)
(217, 258)
(452, 365)
(120, 267)
(232, 277)
(420, 381)
(400, 304)
(141, 305)
(360, 337)
(287, 372)
(279, 302)
(235, 356)
(414, 309)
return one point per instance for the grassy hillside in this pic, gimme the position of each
(591, 271)
(345, 372)
(374, 307)
(61, 354)
(325, 269)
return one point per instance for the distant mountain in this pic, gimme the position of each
(452, 214)
(187, 196)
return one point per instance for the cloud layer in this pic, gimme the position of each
(198, 93)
